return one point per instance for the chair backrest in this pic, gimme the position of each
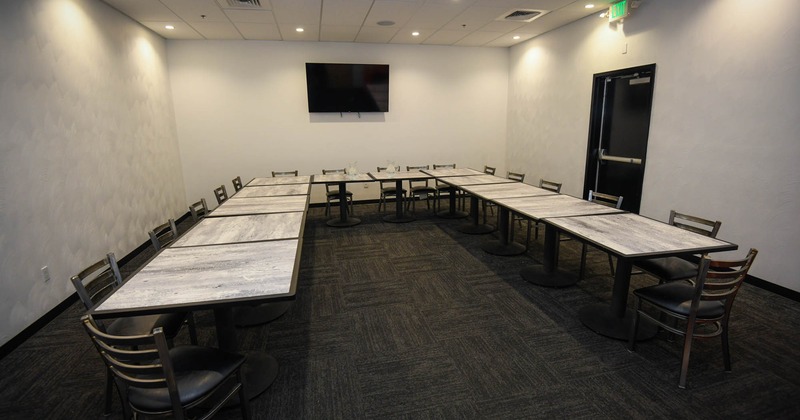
(489, 170)
(550, 185)
(221, 194)
(514, 176)
(419, 182)
(98, 280)
(140, 361)
(285, 173)
(605, 199)
(237, 183)
(390, 183)
(334, 185)
(163, 234)
(198, 209)
(720, 280)
(694, 224)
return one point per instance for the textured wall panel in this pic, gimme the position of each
(724, 130)
(88, 147)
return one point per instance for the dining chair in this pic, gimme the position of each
(97, 281)
(285, 173)
(237, 183)
(606, 200)
(549, 186)
(388, 188)
(489, 170)
(221, 194)
(332, 191)
(156, 380)
(680, 268)
(163, 234)
(702, 308)
(420, 187)
(198, 209)
(443, 189)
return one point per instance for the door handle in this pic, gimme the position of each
(603, 156)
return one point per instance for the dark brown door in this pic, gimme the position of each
(618, 132)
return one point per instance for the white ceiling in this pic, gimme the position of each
(439, 22)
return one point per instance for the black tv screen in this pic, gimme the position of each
(347, 87)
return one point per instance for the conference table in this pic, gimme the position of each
(220, 264)
(272, 190)
(441, 175)
(279, 180)
(398, 177)
(474, 227)
(237, 206)
(493, 192)
(341, 179)
(550, 206)
(630, 237)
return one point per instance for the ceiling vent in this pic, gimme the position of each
(521, 15)
(240, 4)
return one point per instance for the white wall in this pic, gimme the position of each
(726, 115)
(241, 109)
(88, 149)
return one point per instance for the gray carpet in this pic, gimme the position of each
(416, 321)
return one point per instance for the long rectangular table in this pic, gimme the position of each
(273, 190)
(398, 177)
(236, 206)
(630, 237)
(279, 180)
(493, 192)
(341, 180)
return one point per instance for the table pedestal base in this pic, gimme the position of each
(392, 218)
(501, 249)
(350, 221)
(598, 318)
(536, 274)
(472, 229)
(456, 214)
(248, 316)
(258, 373)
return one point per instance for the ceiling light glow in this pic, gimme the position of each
(170, 27)
(299, 29)
(516, 37)
(589, 6)
(415, 33)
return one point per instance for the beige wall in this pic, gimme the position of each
(241, 109)
(724, 130)
(88, 149)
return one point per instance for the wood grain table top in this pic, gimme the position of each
(447, 172)
(260, 205)
(336, 178)
(479, 179)
(508, 190)
(557, 205)
(205, 276)
(279, 180)
(630, 235)
(401, 175)
(234, 229)
(273, 190)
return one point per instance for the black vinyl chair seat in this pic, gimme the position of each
(143, 324)
(677, 297)
(669, 268)
(198, 371)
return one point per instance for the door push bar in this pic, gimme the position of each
(621, 159)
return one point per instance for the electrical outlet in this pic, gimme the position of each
(366, 186)
(46, 274)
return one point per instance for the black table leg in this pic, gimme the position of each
(548, 273)
(452, 212)
(615, 320)
(343, 220)
(398, 216)
(259, 370)
(503, 247)
(474, 228)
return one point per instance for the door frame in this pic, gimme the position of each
(596, 116)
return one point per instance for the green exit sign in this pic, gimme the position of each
(619, 10)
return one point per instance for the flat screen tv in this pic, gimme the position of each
(347, 87)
